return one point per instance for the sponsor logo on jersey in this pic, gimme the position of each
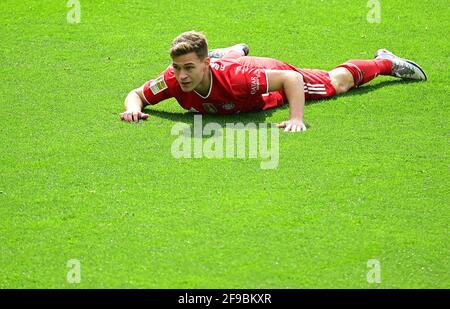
(158, 85)
(228, 106)
(210, 108)
(254, 86)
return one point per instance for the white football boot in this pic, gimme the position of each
(220, 52)
(402, 68)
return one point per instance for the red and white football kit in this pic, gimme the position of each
(237, 85)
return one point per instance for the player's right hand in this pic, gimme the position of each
(133, 116)
(292, 125)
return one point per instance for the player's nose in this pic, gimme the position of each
(183, 76)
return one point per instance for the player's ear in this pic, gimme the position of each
(207, 61)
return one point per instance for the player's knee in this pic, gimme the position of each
(342, 87)
(342, 80)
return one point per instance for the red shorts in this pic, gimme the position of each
(317, 82)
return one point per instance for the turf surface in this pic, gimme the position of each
(368, 180)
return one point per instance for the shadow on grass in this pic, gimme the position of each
(260, 116)
(188, 117)
(372, 87)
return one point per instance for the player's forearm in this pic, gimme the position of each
(133, 103)
(294, 90)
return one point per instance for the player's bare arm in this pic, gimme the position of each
(292, 84)
(134, 103)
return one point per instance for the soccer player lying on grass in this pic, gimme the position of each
(227, 81)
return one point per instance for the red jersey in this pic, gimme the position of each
(237, 85)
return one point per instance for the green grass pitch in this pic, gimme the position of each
(368, 180)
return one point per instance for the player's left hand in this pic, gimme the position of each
(292, 125)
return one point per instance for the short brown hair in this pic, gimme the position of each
(188, 42)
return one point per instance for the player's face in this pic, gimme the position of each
(190, 71)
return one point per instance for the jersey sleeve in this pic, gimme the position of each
(157, 90)
(250, 82)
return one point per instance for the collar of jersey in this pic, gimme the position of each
(210, 87)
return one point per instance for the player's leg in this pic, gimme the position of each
(233, 52)
(355, 73)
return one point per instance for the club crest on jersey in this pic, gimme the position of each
(228, 106)
(210, 108)
(158, 85)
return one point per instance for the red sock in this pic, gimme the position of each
(364, 71)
